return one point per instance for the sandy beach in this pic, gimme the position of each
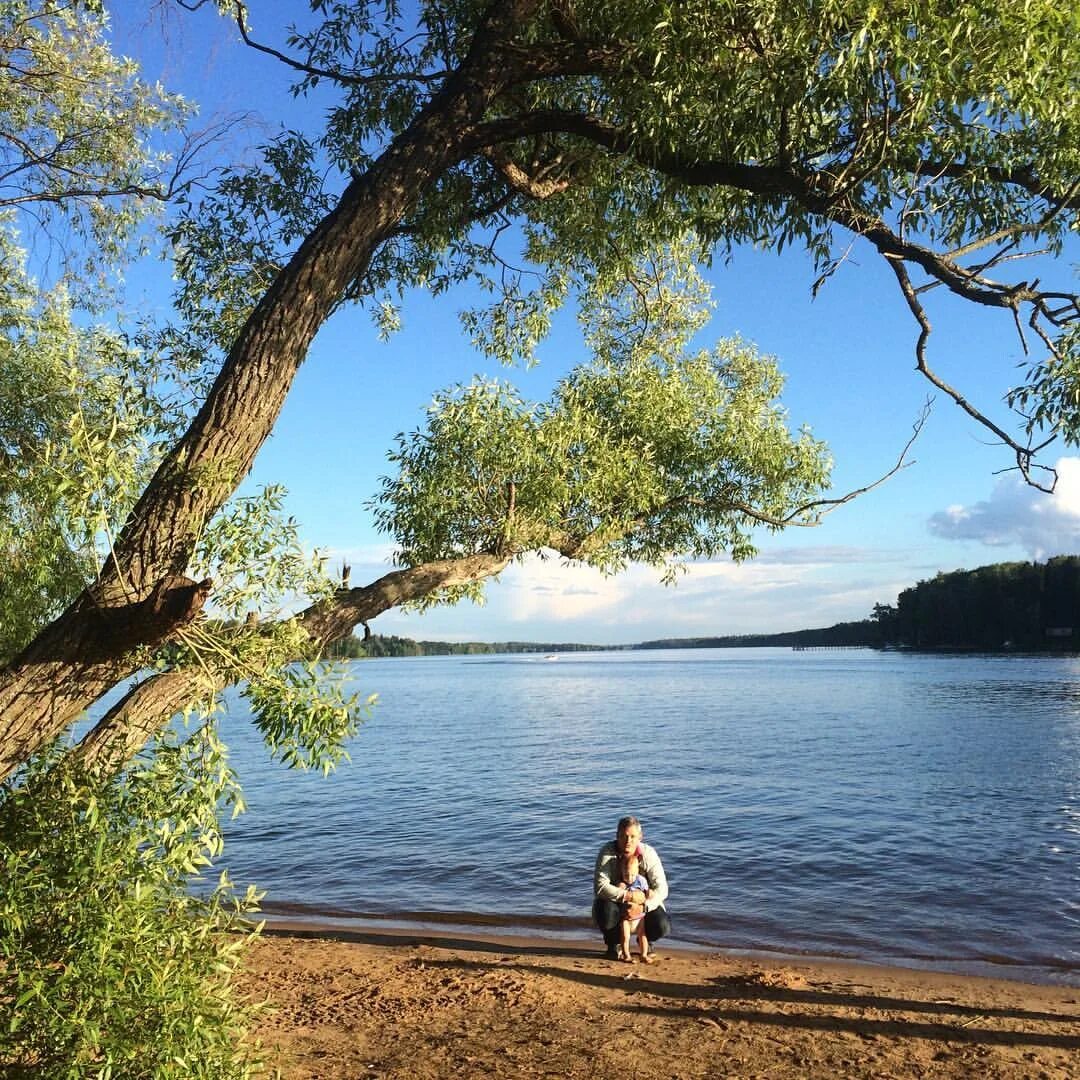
(345, 1004)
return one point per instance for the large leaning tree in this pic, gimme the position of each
(550, 149)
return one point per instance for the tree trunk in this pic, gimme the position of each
(72, 662)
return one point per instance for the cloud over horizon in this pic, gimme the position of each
(1016, 513)
(550, 600)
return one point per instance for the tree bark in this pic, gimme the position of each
(124, 729)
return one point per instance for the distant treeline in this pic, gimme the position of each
(392, 645)
(853, 633)
(1018, 605)
(865, 632)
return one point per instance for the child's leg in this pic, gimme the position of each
(643, 943)
(625, 926)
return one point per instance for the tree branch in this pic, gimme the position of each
(335, 618)
(148, 706)
(813, 191)
(124, 729)
(577, 547)
(1023, 177)
(759, 179)
(340, 77)
(821, 507)
(1023, 453)
(536, 187)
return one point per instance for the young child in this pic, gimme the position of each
(633, 915)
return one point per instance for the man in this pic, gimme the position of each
(609, 895)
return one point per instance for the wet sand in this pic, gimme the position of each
(345, 1004)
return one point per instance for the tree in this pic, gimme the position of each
(944, 140)
(79, 149)
(108, 964)
(1016, 605)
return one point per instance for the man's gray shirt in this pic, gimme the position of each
(606, 878)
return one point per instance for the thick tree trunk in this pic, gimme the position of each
(73, 662)
(80, 656)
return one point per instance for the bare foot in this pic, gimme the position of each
(648, 959)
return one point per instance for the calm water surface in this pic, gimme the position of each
(898, 808)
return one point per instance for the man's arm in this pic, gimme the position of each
(603, 886)
(654, 874)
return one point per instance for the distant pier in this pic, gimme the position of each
(820, 648)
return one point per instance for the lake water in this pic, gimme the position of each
(890, 807)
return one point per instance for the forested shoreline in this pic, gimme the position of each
(1013, 606)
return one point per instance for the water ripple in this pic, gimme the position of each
(882, 806)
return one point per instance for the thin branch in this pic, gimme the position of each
(476, 214)
(815, 506)
(577, 546)
(1022, 177)
(831, 269)
(1023, 453)
(341, 77)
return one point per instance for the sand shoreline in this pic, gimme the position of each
(392, 1002)
(389, 928)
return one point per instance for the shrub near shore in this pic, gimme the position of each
(109, 966)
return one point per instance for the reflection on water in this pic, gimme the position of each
(884, 806)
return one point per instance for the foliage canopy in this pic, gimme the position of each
(109, 965)
(947, 137)
(649, 453)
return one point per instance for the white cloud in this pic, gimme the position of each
(548, 600)
(550, 590)
(1016, 513)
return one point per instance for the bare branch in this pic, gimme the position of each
(805, 515)
(821, 507)
(1023, 453)
(340, 77)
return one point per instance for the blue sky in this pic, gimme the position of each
(849, 360)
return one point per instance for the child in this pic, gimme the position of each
(633, 915)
